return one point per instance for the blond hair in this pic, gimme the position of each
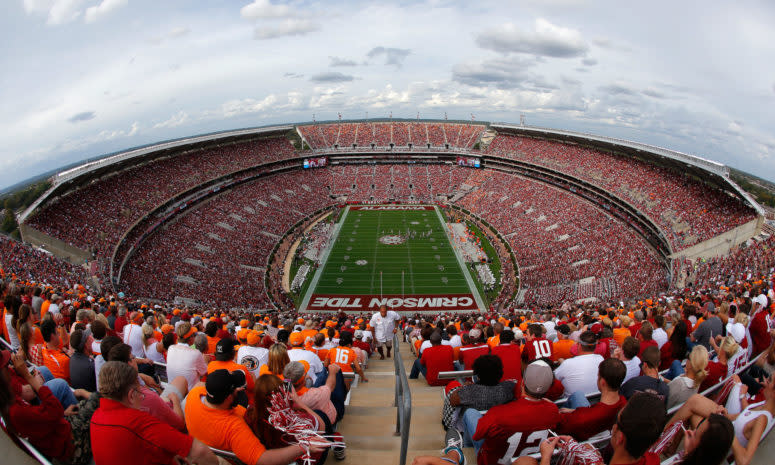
(278, 358)
(729, 346)
(698, 362)
(741, 318)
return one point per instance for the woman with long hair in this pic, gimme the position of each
(258, 415)
(682, 387)
(277, 359)
(675, 349)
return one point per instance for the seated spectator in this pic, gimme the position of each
(585, 421)
(510, 355)
(58, 432)
(278, 451)
(164, 405)
(252, 355)
(82, 375)
(530, 414)
(536, 346)
(327, 400)
(561, 348)
(344, 356)
(488, 391)
(320, 346)
(57, 361)
(709, 328)
(637, 428)
(434, 359)
(649, 381)
(108, 342)
(296, 353)
(276, 360)
(628, 354)
(359, 343)
(684, 386)
(122, 433)
(580, 373)
(469, 353)
(224, 360)
(659, 333)
(182, 359)
(674, 351)
(645, 337)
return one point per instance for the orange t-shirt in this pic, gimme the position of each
(231, 366)
(44, 308)
(221, 429)
(264, 370)
(561, 349)
(321, 353)
(620, 334)
(344, 357)
(308, 333)
(57, 362)
(211, 343)
(494, 341)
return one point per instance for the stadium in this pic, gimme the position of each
(453, 225)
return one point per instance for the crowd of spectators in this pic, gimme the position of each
(24, 262)
(686, 210)
(567, 248)
(399, 133)
(95, 216)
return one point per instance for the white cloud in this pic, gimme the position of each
(56, 11)
(546, 39)
(289, 27)
(175, 120)
(261, 9)
(240, 107)
(94, 13)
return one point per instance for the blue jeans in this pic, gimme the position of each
(338, 395)
(417, 368)
(470, 420)
(321, 379)
(576, 400)
(675, 370)
(59, 388)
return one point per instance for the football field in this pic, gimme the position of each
(397, 255)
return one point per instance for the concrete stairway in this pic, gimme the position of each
(370, 420)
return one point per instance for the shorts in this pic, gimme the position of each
(388, 343)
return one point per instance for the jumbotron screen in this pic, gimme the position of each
(319, 162)
(469, 161)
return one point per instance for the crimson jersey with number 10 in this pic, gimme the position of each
(514, 429)
(537, 348)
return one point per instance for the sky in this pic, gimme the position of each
(81, 78)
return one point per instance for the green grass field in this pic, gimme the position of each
(360, 256)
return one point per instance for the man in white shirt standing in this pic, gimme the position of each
(384, 324)
(184, 360)
(133, 334)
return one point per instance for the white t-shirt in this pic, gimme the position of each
(315, 365)
(14, 338)
(367, 336)
(153, 354)
(633, 368)
(660, 336)
(133, 336)
(187, 362)
(384, 326)
(579, 373)
(253, 358)
(455, 341)
(53, 308)
(425, 344)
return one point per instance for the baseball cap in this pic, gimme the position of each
(538, 378)
(518, 334)
(358, 334)
(296, 339)
(475, 333)
(224, 350)
(294, 371)
(253, 338)
(244, 323)
(221, 383)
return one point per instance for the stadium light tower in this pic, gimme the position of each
(522, 119)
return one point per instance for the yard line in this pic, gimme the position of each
(376, 246)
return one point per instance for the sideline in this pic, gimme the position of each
(463, 267)
(292, 251)
(323, 261)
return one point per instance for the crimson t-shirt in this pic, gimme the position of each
(585, 422)
(514, 429)
(716, 372)
(511, 357)
(645, 344)
(471, 353)
(537, 348)
(436, 359)
(123, 435)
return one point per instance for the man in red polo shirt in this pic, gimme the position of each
(435, 359)
(469, 353)
(510, 355)
(123, 434)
